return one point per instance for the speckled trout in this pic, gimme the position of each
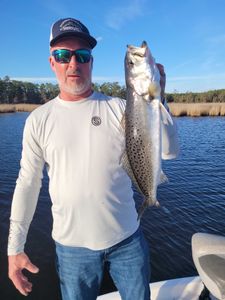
(142, 158)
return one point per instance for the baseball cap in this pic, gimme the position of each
(70, 27)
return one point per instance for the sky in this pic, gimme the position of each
(186, 36)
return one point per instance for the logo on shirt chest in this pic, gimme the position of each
(96, 121)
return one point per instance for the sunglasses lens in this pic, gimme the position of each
(83, 55)
(62, 55)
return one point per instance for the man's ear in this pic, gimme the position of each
(52, 63)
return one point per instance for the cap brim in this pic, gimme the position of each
(86, 37)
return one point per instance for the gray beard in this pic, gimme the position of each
(78, 89)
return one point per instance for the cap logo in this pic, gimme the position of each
(69, 24)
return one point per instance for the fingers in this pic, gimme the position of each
(162, 79)
(31, 267)
(16, 264)
(21, 283)
(161, 69)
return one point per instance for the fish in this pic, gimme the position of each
(142, 121)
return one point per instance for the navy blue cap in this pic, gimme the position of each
(70, 27)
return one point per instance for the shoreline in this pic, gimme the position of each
(19, 107)
(176, 109)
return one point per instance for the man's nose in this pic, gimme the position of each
(73, 61)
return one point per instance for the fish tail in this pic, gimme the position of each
(144, 206)
(142, 209)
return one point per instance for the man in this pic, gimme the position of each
(78, 136)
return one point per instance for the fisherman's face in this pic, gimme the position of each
(74, 78)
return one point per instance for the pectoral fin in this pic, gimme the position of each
(163, 178)
(166, 117)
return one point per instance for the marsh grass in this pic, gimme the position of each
(9, 108)
(197, 109)
(176, 109)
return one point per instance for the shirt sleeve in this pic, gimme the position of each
(170, 143)
(27, 189)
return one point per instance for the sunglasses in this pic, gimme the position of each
(63, 56)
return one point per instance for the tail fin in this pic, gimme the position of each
(144, 206)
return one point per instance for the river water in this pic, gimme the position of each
(192, 201)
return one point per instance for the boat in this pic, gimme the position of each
(208, 252)
(186, 288)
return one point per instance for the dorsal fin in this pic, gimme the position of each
(144, 44)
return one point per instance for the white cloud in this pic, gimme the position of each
(213, 56)
(101, 79)
(35, 79)
(182, 65)
(98, 79)
(58, 9)
(217, 40)
(121, 14)
(99, 38)
(197, 83)
(200, 77)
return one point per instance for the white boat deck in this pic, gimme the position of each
(187, 288)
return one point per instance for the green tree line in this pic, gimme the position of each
(189, 97)
(13, 91)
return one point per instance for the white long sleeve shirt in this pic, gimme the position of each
(81, 143)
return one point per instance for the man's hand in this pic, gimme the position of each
(16, 264)
(162, 80)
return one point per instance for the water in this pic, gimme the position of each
(192, 201)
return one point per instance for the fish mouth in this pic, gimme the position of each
(130, 63)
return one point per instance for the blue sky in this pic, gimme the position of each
(187, 36)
